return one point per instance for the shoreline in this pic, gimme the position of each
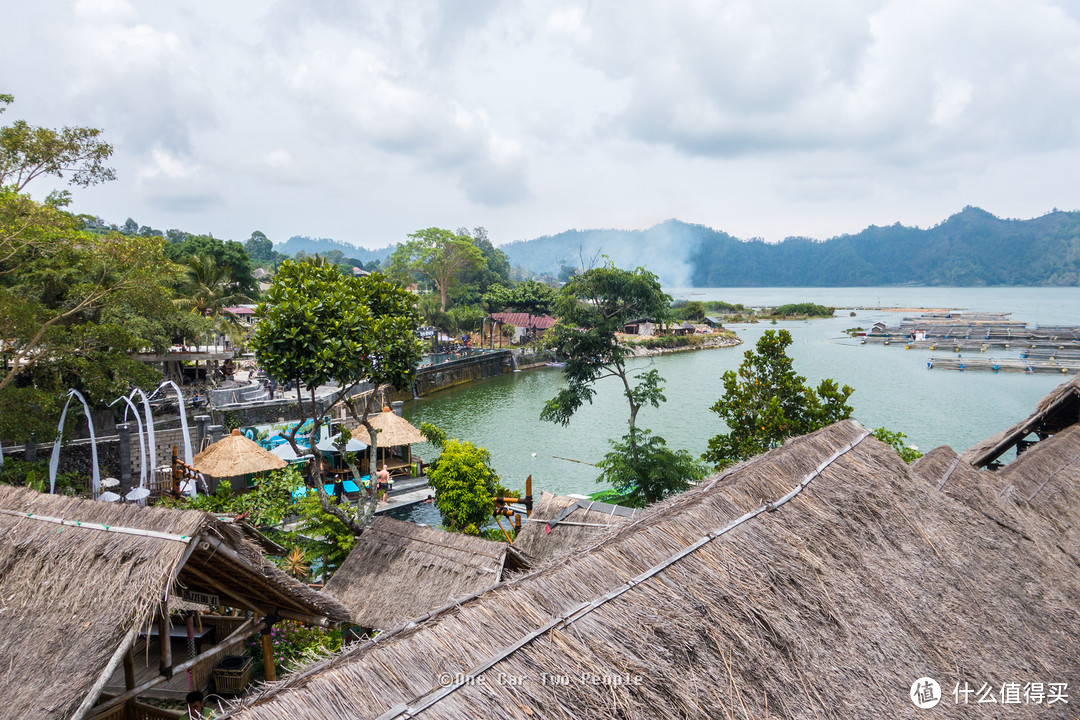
(720, 342)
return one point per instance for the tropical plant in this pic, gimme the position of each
(641, 469)
(766, 402)
(465, 486)
(898, 442)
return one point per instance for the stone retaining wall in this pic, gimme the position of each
(458, 372)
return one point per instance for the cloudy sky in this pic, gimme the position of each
(365, 121)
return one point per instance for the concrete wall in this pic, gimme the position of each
(457, 372)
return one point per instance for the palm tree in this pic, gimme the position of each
(210, 291)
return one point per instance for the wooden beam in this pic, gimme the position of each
(129, 671)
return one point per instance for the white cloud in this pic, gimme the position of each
(370, 120)
(279, 159)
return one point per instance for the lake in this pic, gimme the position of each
(893, 387)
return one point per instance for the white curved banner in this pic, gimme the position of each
(142, 440)
(54, 461)
(149, 428)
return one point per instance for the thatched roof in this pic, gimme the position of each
(235, 455)
(1046, 477)
(581, 523)
(399, 571)
(818, 580)
(1055, 412)
(948, 472)
(74, 595)
(392, 430)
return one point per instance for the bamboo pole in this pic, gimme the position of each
(164, 640)
(97, 526)
(269, 671)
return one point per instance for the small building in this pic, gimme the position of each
(244, 314)
(85, 591)
(640, 326)
(683, 329)
(400, 571)
(526, 326)
(1057, 411)
(713, 322)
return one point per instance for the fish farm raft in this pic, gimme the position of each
(1015, 346)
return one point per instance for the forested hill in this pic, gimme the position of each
(323, 246)
(970, 248)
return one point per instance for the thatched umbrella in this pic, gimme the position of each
(394, 430)
(235, 455)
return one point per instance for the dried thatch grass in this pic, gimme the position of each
(72, 597)
(828, 607)
(541, 545)
(1055, 412)
(392, 430)
(399, 571)
(235, 455)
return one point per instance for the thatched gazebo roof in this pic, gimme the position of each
(392, 430)
(79, 579)
(234, 454)
(1055, 412)
(399, 571)
(560, 525)
(825, 564)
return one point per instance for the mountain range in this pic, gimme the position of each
(971, 248)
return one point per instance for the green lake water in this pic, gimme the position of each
(893, 387)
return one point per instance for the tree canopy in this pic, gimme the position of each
(593, 308)
(317, 325)
(766, 402)
(74, 304)
(437, 254)
(28, 152)
(465, 486)
(528, 296)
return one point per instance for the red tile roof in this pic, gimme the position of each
(525, 320)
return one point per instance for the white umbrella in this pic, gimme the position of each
(330, 444)
(286, 453)
(108, 497)
(137, 494)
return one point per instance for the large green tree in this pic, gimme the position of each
(317, 325)
(528, 296)
(474, 281)
(437, 254)
(593, 307)
(766, 402)
(28, 152)
(74, 304)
